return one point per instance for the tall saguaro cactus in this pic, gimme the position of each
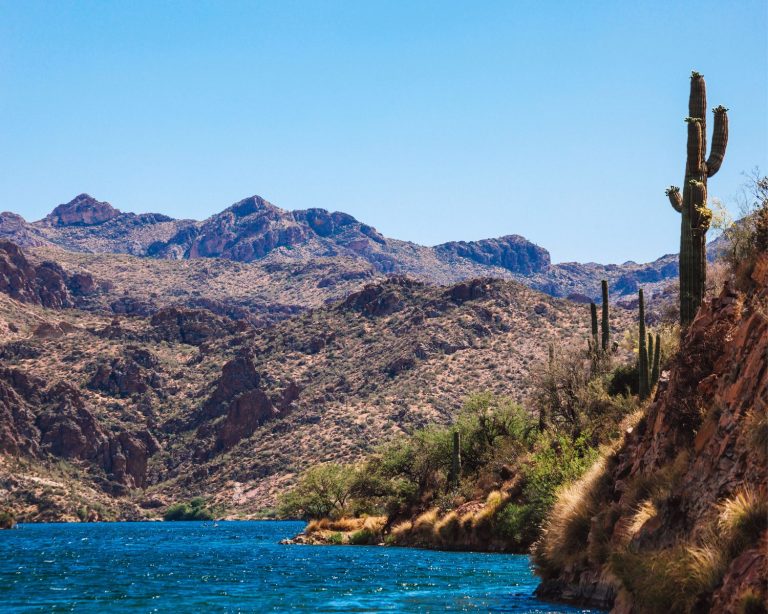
(606, 327)
(644, 388)
(695, 217)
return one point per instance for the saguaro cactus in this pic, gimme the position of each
(456, 459)
(656, 361)
(642, 367)
(593, 313)
(695, 217)
(606, 328)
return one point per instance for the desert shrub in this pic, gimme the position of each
(363, 537)
(742, 520)
(564, 536)
(518, 524)
(748, 238)
(7, 521)
(556, 461)
(193, 510)
(624, 379)
(336, 539)
(323, 490)
(664, 580)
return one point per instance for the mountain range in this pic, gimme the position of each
(145, 360)
(336, 251)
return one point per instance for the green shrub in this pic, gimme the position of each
(194, 510)
(7, 521)
(363, 537)
(336, 539)
(321, 491)
(623, 379)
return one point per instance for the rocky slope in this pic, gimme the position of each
(254, 231)
(110, 416)
(679, 514)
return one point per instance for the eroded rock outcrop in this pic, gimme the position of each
(83, 210)
(241, 398)
(45, 284)
(192, 326)
(511, 252)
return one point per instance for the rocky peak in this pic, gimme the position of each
(83, 210)
(512, 252)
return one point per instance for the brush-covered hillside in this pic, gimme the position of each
(118, 416)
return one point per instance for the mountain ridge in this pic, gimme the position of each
(253, 230)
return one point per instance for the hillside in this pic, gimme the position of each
(676, 517)
(134, 412)
(267, 246)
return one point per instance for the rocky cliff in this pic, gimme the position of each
(677, 514)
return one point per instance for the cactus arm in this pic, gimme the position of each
(719, 140)
(675, 198)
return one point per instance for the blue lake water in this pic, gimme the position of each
(241, 567)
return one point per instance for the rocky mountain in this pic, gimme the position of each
(107, 416)
(256, 232)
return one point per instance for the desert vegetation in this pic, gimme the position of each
(195, 509)
(646, 521)
(487, 480)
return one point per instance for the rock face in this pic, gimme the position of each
(240, 397)
(83, 210)
(511, 252)
(46, 284)
(700, 426)
(55, 421)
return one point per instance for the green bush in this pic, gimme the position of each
(7, 521)
(363, 537)
(194, 510)
(321, 491)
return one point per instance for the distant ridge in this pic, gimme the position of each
(254, 230)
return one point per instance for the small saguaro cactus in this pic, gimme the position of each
(606, 327)
(456, 459)
(644, 386)
(695, 217)
(593, 312)
(650, 361)
(656, 361)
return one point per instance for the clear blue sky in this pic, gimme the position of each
(433, 121)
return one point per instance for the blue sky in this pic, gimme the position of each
(433, 121)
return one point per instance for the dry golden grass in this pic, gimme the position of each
(344, 525)
(564, 537)
(645, 511)
(424, 524)
(449, 528)
(484, 516)
(742, 519)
